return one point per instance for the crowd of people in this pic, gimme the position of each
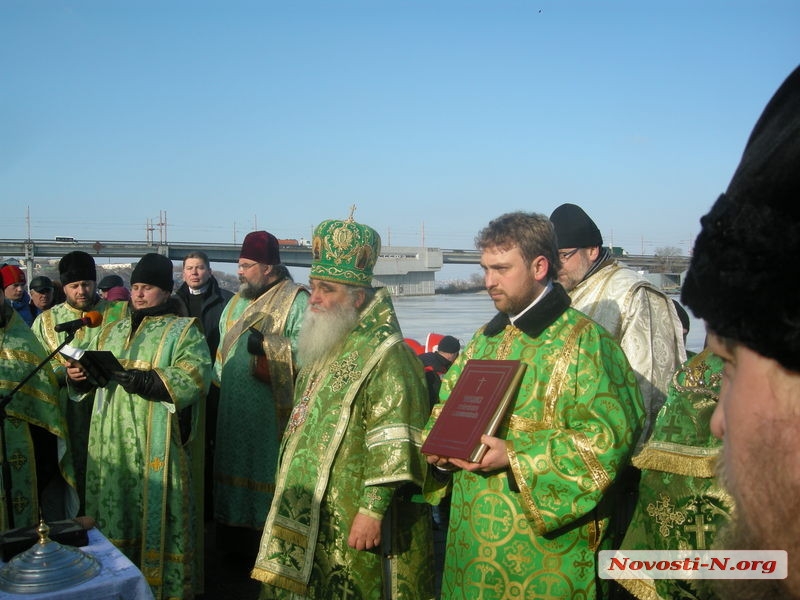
(292, 416)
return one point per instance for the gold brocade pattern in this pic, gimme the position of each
(665, 515)
(344, 372)
(680, 505)
(532, 530)
(35, 404)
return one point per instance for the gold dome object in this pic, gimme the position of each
(47, 566)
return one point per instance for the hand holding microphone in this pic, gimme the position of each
(92, 318)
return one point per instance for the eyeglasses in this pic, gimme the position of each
(567, 255)
(246, 266)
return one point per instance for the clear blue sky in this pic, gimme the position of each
(431, 116)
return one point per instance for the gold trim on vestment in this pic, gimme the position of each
(517, 423)
(643, 589)
(584, 449)
(30, 388)
(280, 581)
(559, 371)
(370, 513)
(525, 496)
(509, 335)
(290, 535)
(385, 480)
(676, 458)
(388, 435)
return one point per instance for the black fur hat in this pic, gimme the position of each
(76, 266)
(743, 276)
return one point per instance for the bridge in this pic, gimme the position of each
(406, 270)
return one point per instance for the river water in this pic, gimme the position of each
(460, 315)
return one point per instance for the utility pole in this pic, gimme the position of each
(162, 227)
(29, 258)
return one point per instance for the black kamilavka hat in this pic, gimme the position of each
(154, 269)
(574, 228)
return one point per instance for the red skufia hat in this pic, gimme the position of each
(261, 247)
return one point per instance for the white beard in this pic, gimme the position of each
(321, 332)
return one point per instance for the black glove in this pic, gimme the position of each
(255, 342)
(146, 384)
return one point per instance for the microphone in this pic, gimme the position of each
(91, 319)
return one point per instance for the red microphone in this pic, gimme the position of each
(90, 319)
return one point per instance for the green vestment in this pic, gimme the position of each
(78, 414)
(139, 483)
(34, 404)
(352, 445)
(681, 506)
(252, 414)
(533, 530)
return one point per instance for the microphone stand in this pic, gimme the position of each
(4, 400)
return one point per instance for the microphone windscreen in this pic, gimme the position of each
(95, 318)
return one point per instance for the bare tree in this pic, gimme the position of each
(666, 256)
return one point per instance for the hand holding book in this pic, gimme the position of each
(495, 458)
(96, 367)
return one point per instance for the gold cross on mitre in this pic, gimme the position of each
(352, 210)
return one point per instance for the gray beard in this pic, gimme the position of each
(250, 292)
(745, 532)
(321, 332)
(737, 535)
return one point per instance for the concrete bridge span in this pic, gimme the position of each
(405, 270)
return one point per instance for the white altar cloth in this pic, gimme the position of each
(118, 579)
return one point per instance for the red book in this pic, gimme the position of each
(476, 406)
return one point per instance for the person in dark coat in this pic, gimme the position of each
(41, 293)
(204, 299)
(437, 362)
